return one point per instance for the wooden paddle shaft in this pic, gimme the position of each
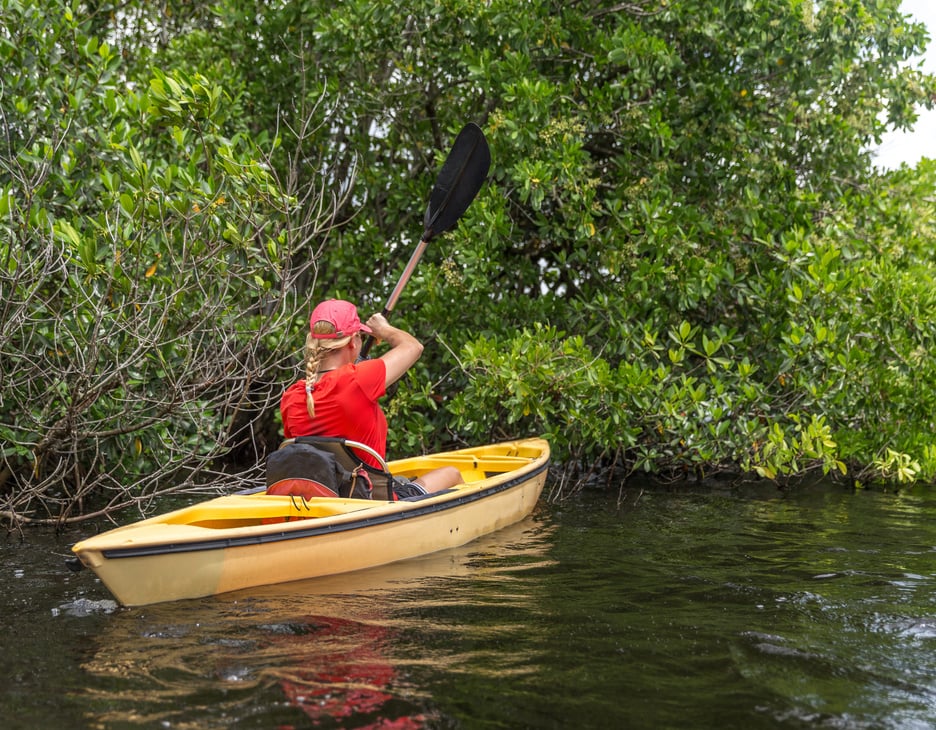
(407, 273)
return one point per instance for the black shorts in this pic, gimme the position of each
(404, 488)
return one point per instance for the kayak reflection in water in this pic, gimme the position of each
(352, 681)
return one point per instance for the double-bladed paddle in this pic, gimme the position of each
(461, 177)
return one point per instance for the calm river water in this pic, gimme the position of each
(686, 608)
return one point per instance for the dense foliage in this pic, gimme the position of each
(684, 262)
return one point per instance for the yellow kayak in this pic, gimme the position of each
(251, 539)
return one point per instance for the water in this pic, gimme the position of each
(673, 609)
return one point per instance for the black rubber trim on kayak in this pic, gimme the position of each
(230, 542)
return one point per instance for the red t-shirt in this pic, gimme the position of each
(345, 406)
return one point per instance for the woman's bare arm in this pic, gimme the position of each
(404, 350)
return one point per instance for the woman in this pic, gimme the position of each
(338, 396)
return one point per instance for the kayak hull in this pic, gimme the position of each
(244, 540)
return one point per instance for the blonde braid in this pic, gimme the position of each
(315, 350)
(313, 355)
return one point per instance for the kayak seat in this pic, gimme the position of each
(361, 478)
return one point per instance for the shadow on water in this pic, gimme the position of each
(679, 608)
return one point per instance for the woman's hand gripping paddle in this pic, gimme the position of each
(461, 177)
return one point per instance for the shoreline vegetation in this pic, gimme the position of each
(684, 263)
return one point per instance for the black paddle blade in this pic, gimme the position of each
(461, 177)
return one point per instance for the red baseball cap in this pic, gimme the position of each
(340, 314)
